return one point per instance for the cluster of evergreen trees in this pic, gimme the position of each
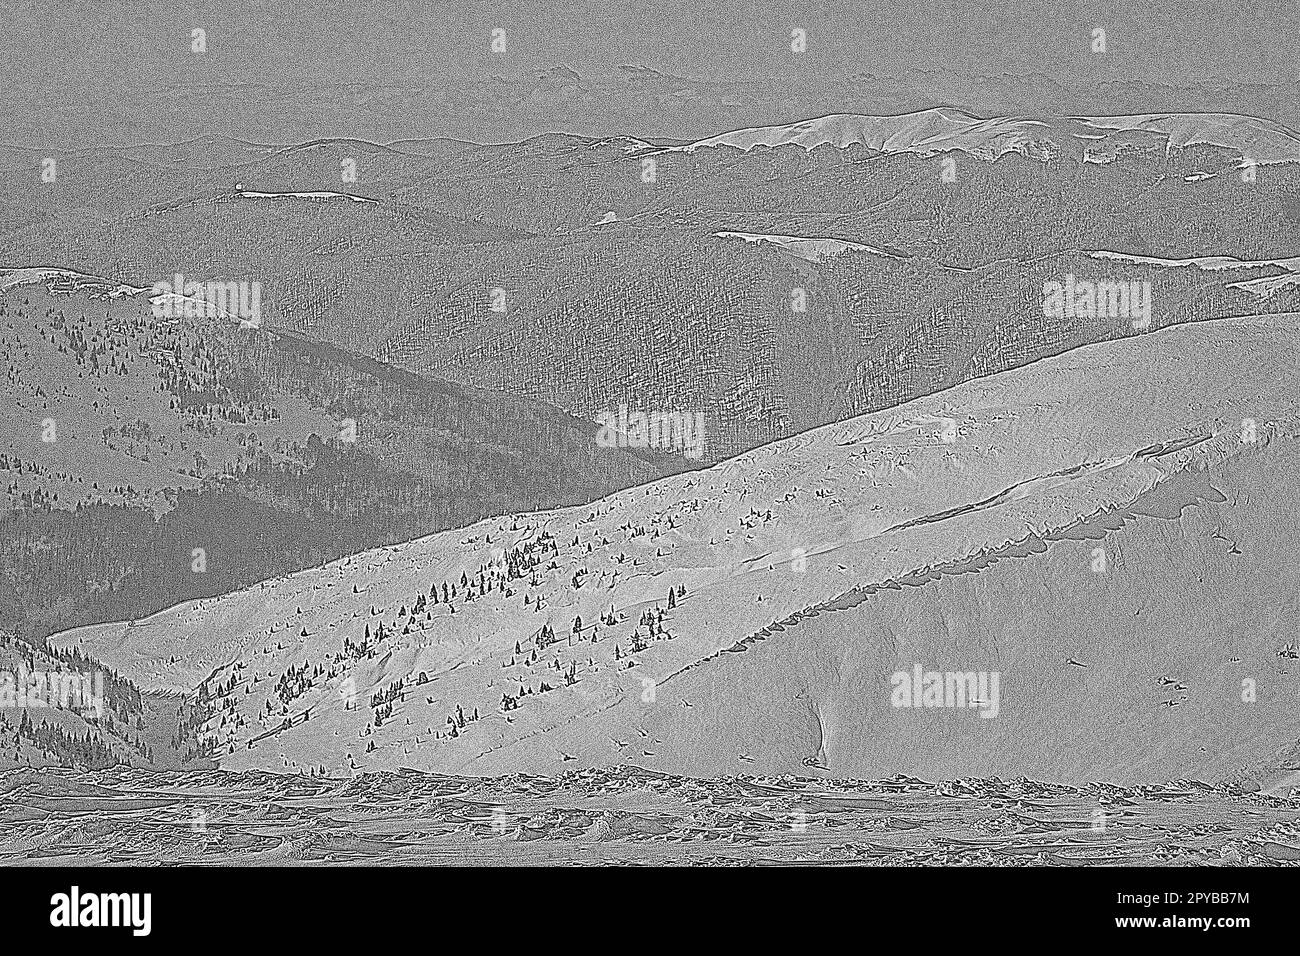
(89, 751)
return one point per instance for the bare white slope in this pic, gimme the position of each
(754, 540)
(312, 194)
(1095, 138)
(91, 285)
(1263, 287)
(812, 248)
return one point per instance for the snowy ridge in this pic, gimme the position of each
(1086, 139)
(812, 248)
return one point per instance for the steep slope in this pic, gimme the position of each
(375, 661)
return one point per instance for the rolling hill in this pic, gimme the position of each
(147, 460)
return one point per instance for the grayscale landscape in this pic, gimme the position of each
(601, 465)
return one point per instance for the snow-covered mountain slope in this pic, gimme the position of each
(356, 665)
(1086, 138)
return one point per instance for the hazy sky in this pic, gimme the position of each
(82, 72)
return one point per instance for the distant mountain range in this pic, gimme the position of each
(1098, 139)
(590, 274)
(388, 76)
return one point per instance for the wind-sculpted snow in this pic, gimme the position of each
(631, 815)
